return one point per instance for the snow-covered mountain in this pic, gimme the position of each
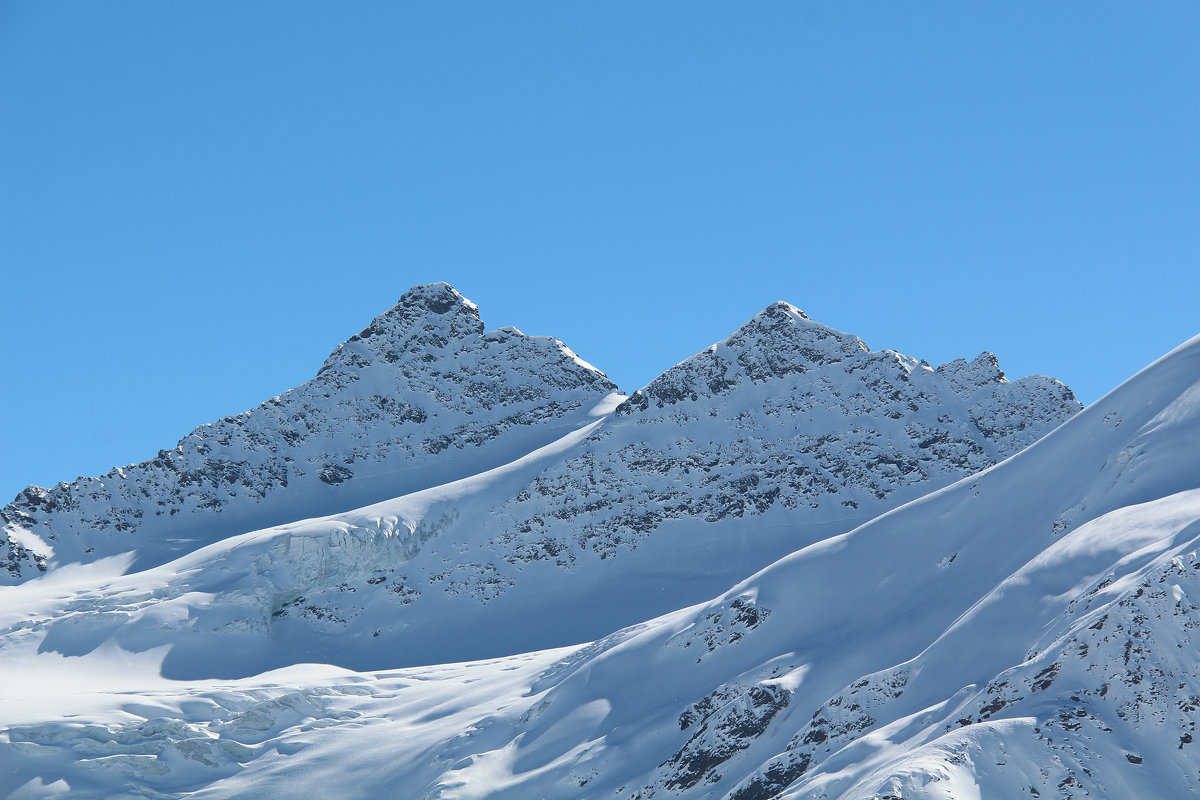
(420, 397)
(783, 434)
(1026, 632)
(1022, 632)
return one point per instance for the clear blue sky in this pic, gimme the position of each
(199, 200)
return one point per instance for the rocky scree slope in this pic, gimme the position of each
(784, 433)
(420, 397)
(1026, 632)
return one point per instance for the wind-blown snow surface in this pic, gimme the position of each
(561, 530)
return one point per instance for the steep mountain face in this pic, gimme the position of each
(783, 434)
(1026, 632)
(420, 397)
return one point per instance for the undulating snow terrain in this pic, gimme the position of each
(1024, 631)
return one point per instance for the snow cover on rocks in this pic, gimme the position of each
(785, 412)
(420, 397)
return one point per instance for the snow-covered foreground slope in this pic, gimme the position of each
(783, 434)
(420, 397)
(1026, 632)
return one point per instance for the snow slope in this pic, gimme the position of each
(784, 433)
(1025, 632)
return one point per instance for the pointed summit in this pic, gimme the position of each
(426, 317)
(438, 297)
(425, 303)
(780, 340)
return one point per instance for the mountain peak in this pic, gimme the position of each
(783, 307)
(787, 325)
(426, 317)
(427, 307)
(780, 340)
(439, 298)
